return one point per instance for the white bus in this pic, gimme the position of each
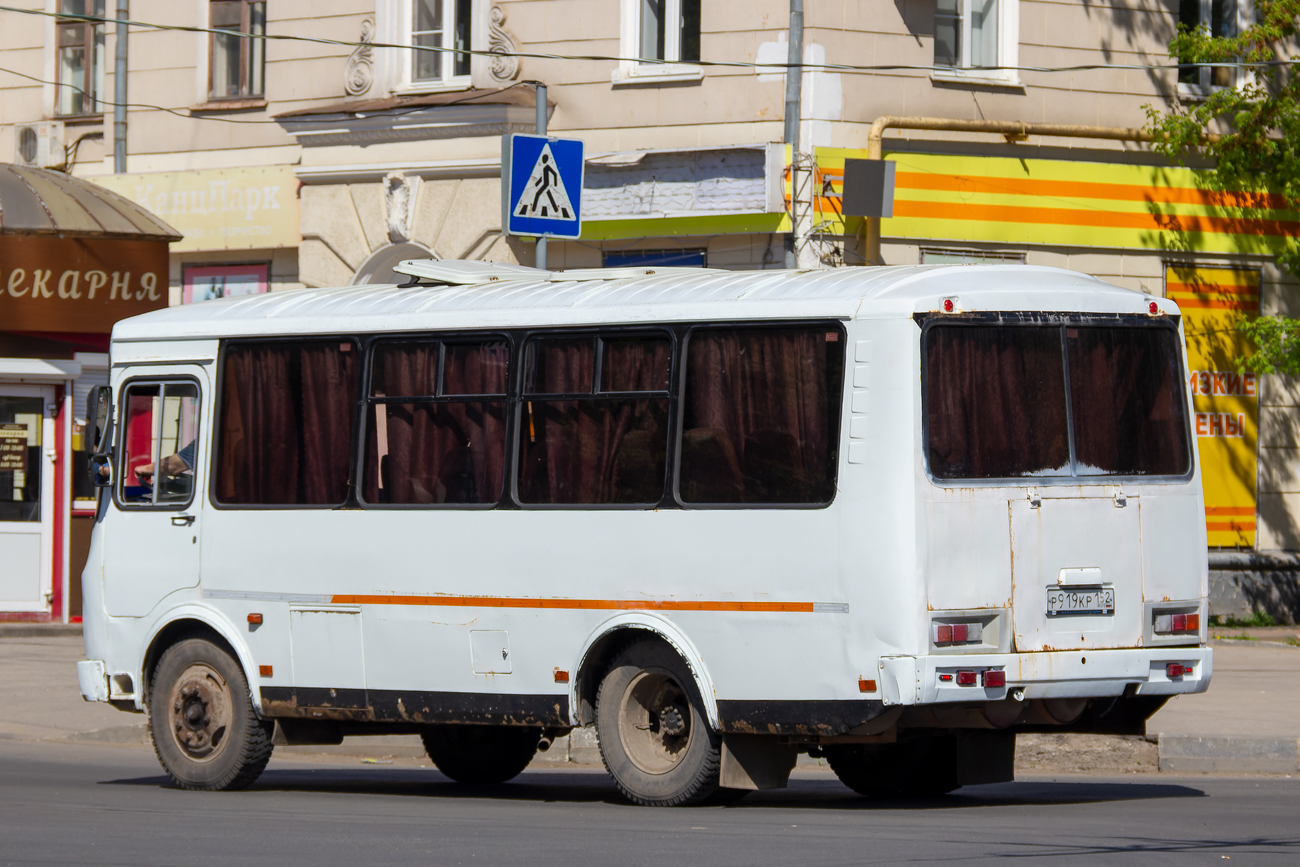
(888, 516)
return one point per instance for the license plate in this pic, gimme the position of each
(1080, 600)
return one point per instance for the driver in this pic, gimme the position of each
(172, 465)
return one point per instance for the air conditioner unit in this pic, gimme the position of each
(39, 144)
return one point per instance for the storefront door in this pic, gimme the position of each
(26, 496)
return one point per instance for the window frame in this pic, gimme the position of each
(929, 321)
(367, 400)
(190, 272)
(358, 341)
(520, 397)
(1242, 17)
(1008, 49)
(838, 400)
(245, 58)
(633, 69)
(119, 443)
(92, 42)
(402, 30)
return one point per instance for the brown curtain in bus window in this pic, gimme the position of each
(995, 401)
(761, 415)
(450, 452)
(285, 428)
(1126, 399)
(594, 450)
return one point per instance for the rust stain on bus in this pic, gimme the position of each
(583, 604)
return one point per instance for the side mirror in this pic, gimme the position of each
(99, 405)
(101, 471)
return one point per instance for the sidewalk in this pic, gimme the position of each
(1248, 722)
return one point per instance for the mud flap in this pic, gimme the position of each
(985, 757)
(755, 762)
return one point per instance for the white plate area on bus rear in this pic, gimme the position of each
(1055, 539)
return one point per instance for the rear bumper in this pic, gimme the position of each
(909, 680)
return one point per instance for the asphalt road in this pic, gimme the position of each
(81, 804)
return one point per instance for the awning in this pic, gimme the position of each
(74, 257)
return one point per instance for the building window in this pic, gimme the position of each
(81, 58)
(972, 36)
(660, 39)
(1220, 18)
(440, 24)
(687, 258)
(209, 282)
(238, 55)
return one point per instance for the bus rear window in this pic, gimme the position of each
(996, 403)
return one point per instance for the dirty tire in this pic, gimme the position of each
(654, 737)
(481, 754)
(918, 768)
(205, 732)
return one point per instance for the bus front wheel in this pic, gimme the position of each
(481, 754)
(204, 728)
(654, 737)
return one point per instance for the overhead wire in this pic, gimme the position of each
(774, 67)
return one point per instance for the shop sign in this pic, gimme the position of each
(219, 209)
(13, 448)
(78, 284)
(1225, 399)
(1067, 203)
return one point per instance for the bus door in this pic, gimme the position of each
(152, 536)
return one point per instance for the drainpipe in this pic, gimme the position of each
(793, 113)
(119, 91)
(1014, 130)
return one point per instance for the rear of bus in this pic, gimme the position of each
(1064, 548)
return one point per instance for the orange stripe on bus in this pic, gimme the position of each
(583, 604)
(1100, 219)
(1086, 190)
(1230, 510)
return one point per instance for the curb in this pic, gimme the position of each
(18, 629)
(1202, 753)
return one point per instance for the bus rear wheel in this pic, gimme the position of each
(481, 754)
(205, 731)
(654, 737)
(922, 767)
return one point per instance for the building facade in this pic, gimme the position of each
(345, 142)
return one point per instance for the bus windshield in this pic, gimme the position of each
(1074, 400)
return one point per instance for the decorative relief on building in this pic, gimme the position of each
(504, 67)
(360, 72)
(399, 200)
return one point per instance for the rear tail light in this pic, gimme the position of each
(1177, 669)
(1176, 624)
(995, 677)
(966, 678)
(958, 633)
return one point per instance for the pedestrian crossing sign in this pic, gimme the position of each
(541, 186)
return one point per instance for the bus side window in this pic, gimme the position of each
(761, 414)
(436, 423)
(284, 426)
(160, 443)
(595, 420)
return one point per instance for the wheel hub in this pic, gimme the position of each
(201, 711)
(654, 722)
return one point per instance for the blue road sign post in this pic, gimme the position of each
(541, 186)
